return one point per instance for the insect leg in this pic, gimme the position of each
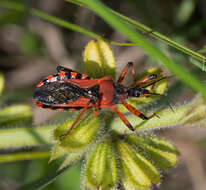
(137, 112)
(76, 120)
(145, 80)
(96, 109)
(64, 69)
(123, 118)
(124, 72)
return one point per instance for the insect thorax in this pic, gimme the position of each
(119, 94)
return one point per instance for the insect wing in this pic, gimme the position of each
(59, 92)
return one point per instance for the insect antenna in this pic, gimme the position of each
(153, 93)
(170, 106)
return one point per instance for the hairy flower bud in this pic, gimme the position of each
(137, 170)
(162, 153)
(101, 169)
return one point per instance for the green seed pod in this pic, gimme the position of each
(138, 172)
(80, 136)
(100, 170)
(162, 153)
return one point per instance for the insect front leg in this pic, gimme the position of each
(124, 72)
(146, 80)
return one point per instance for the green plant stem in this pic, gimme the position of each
(35, 12)
(145, 29)
(13, 157)
(188, 78)
(162, 37)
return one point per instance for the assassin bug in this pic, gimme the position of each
(70, 90)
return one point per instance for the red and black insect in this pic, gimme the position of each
(70, 90)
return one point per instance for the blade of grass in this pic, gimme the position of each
(35, 12)
(15, 115)
(145, 29)
(161, 37)
(188, 78)
(13, 157)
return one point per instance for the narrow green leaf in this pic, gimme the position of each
(20, 137)
(35, 12)
(13, 157)
(12, 115)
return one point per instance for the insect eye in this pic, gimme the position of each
(119, 91)
(152, 76)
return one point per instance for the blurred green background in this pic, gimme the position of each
(31, 48)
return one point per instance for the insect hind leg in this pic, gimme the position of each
(137, 112)
(124, 72)
(123, 118)
(76, 120)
